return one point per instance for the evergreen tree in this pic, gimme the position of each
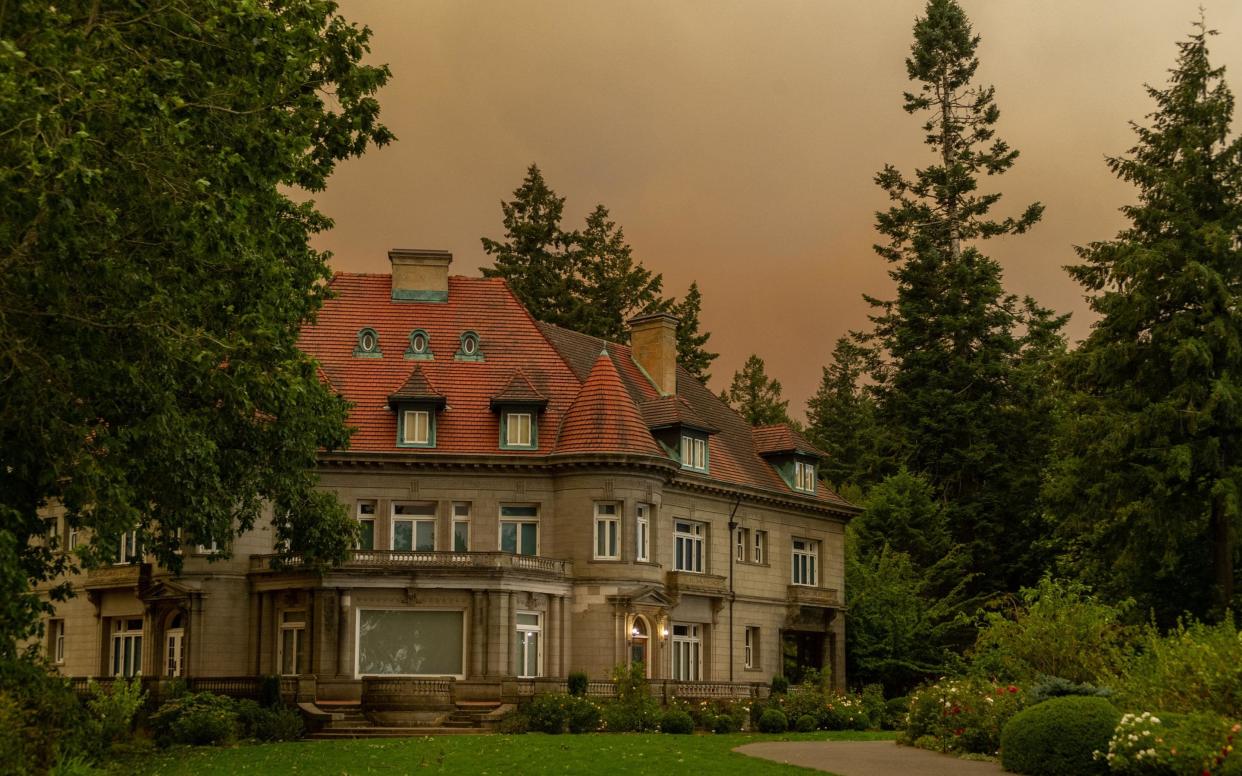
(756, 396)
(950, 339)
(841, 418)
(537, 256)
(1148, 477)
(692, 352)
(614, 288)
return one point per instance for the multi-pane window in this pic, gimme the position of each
(519, 530)
(804, 476)
(805, 559)
(416, 427)
(739, 542)
(519, 429)
(129, 551)
(694, 452)
(56, 640)
(461, 527)
(642, 539)
(72, 542)
(126, 647)
(688, 545)
(759, 547)
(750, 654)
(366, 525)
(527, 655)
(607, 532)
(174, 647)
(414, 527)
(292, 636)
(687, 653)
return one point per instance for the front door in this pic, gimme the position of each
(174, 652)
(801, 651)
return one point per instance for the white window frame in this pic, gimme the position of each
(751, 649)
(72, 539)
(57, 627)
(128, 552)
(461, 516)
(122, 634)
(364, 518)
(689, 539)
(607, 534)
(174, 652)
(297, 630)
(693, 453)
(415, 519)
(518, 522)
(409, 435)
(805, 560)
(525, 421)
(804, 476)
(642, 533)
(760, 547)
(208, 549)
(740, 544)
(687, 652)
(526, 630)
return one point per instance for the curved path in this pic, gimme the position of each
(867, 758)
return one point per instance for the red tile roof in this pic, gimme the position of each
(782, 438)
(668, 411)
(603, 418)
(519, 391)
(417, 388)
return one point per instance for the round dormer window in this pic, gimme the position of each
(469, 343)
(419, 342)
(368, 342)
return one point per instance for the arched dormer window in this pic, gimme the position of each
(469, 350)
(368, 344)
(420, 346)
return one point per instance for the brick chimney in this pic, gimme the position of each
(419, 275)
(653, 346)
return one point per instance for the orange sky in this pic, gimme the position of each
(736, 142)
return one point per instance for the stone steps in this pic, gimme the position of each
(374, 731)
(348, 721)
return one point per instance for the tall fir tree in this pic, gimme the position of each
(536, 257)
(950, 341)
(756, 396)
(692, 352)
(1148, 480)
(841, 418)
(613, 287)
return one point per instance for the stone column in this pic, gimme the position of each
(151, 650)
(196, 667)
(266, 641)
(509, 636)
(478, 633)
(552, 662)
(344, 642)
(254, 619)
(313, 633)
(497, 620)
(836, 643)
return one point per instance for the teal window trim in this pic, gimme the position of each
(469, 352)
(694, 439)
(361, 351)
(788, 470)
(504, 429)
(431, 425)
(425, 354)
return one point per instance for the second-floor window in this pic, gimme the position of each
(642, 540)
(688, 545)
(366, 525)
(759, 551)
(694, 453)
(129, 551)
(461, 527)
(607, 532)
(414, 527)
(804, 476)
(805, 560)
(740, 544)
(519, 529)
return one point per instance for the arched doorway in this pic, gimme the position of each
(640, 644)
(174, 646)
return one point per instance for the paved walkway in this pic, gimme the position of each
(867, 758)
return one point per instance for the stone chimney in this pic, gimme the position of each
(653, 346)
(419, 275)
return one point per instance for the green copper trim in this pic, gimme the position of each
(417, 295)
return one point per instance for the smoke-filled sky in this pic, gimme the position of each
(736, 142)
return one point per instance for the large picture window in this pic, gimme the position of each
(414, 527)
(805, 559)
(127, 647)
(688, 545)
(519, 530)
(687, 653)
(408, 642)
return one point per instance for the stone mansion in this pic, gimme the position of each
(532, 502)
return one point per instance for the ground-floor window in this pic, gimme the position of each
(410, 642)
(292, 640)
(126, 647)
(687, 653)
(174, 647)
(527, 656)
(751, 655)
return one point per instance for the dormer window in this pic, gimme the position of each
(694, 452)
(417, 428)
(420, 346)
(804, 476)
(518, 429)
(368, 344)
(518, 405)
(468, 350)
(416, 403)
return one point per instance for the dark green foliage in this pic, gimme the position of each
(514, 723)
(584, 715)
(613, 287)
(1192, 668)
(677, 722)
(1056, 687)
(806, 723)
(195, 718)
(692, 352)
(895, 711)
(726, 723)
(634, 710)
(548, 713)
(873, 705)
(773, 721)
(269, 691)
(41, 721)
(112, 710)
(1058, 737)
(756, 396)
(1146, 483)
(779, 685)
(155, 272)
(841, 418)
(268, 723)
(958, 377)
(576, 683)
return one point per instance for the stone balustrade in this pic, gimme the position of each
(406, 560)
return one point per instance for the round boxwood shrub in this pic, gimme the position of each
(1057, 737)
(806, 723)
(727, 723)
(779, 685)
(677, 721)
(773, 721)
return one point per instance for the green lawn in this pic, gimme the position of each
(649, 753)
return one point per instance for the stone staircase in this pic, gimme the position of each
(348, 721)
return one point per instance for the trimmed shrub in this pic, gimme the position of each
(195, 718)
(576, 683)
(727, 723)
(780, 685)
(513, 724)
(803, 701)
(548, 713)
(1056, 687)
(843, 712)
(1059, 736)
(634, 717)
(277, 724)
(1178, 744)
(583, 715)
(677, 722)
(773, 721)
(806, 723)
(895, 711)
